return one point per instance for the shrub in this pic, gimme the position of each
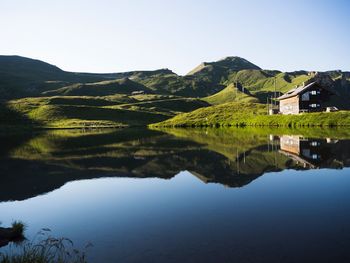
(18, 228)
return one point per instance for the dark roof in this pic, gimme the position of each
(298, 90)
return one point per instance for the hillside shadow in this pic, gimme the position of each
(15, 129)
(9, 118)
(264, 95)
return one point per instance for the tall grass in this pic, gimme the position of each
(45, 249)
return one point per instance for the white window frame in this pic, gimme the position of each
(314, 105)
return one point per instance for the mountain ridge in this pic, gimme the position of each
(25, 77)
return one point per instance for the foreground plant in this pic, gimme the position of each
(18, 228)
(12, 234)
(45, 249)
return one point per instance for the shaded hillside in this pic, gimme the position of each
(29, 68)
(25, 77)
(102, 88)
(20, 77)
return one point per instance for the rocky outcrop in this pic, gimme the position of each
(321, 78)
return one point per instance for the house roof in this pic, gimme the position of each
(298, 158)
(298, 90)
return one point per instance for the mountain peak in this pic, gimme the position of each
(232, 63)
(231, 58)
(236, 63)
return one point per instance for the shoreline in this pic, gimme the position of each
(212, 118)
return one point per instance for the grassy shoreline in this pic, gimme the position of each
(253, 115)
(62, 113)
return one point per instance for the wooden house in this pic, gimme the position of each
(312, 97)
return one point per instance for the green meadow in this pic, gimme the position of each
(253, 114)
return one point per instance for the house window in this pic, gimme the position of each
(314, 105)
(315, 92)
(305, 96)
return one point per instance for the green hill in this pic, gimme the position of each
(205, 80)
(29, 68)
(230, 94)
(264, 83)
(225, 64)
(218, 71)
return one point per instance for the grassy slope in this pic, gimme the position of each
(253, 114)
(229, 94)
(218, 115)
(102, 88)
(187, 86)
(261, 83)
(107, 111)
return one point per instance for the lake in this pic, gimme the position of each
(183, 195)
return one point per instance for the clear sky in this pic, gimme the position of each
(122, 35)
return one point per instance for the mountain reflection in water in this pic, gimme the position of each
(36, 163)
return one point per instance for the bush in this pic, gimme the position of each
(18, 228)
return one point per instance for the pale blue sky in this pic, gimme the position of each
(113, 36)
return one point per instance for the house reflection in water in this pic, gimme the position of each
(310, 153)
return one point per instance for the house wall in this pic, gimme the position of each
(290, 105)
(316, 102)
(290, 144)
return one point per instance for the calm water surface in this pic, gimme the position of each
(183, 195)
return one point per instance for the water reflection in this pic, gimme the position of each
(37, 163)
(315, 153)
